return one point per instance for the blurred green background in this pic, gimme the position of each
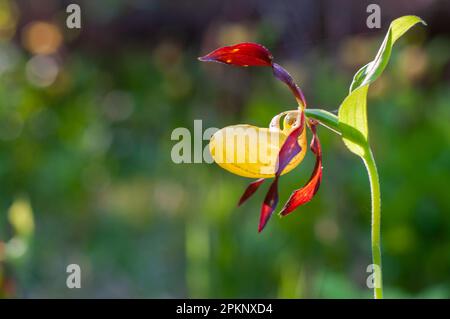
(86, 176)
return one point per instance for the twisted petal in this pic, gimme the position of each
(288, 151)
(290, 146)
(281, 74)
(306, 193)
(269, 204)
(242, 54)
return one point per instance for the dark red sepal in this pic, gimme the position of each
(250, 190)
(305, 194)
(242, 54)
(287, 152)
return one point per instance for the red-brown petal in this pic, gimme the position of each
(290, 147)
(269, 204)
(287, 152)
(306, 193)
(242, 54)
(250, 190)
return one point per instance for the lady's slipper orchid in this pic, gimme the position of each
(261, 156)
(262, 153)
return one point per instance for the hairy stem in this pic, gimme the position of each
(332, 122)
(369, 161)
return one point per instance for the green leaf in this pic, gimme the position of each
(353, 110)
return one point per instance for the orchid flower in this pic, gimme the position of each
(275, 150)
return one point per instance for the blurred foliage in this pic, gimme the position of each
(85, 128)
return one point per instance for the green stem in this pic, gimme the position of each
(369, 161)
(332, 122)
(325, 118)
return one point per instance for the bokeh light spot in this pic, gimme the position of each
(42, 38)
(42, 70)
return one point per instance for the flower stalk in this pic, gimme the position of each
(331, 121)
(374, 181)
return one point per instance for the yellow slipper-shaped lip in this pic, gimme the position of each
(251, 151)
